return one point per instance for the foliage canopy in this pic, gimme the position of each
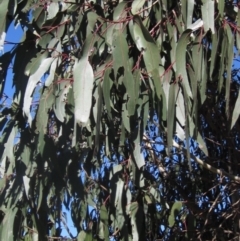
(124, 84)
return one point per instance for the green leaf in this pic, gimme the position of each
(221, 6)
(26, 153)
(52, 10)
(98, 109)
(120, 53)
(171, 115)
(194, 77)
(180, 109)
(26, 181)
(81, 236)
(155, 193)
(32, 82)
(136, 5)
(133, 211)
(146, 44)
(184, 10)
(40, 194)
(138, 155)
(236, 111)
(179, 25)
(61, 29)
(222, 66)
(202, 144)
(238, 33)
(52, 71)
(107, 84)
(119, 14)
(156, 73)
(145, 107)
(3, 121)
(89, 237)
(130, 83)
(39, 16)
(174, 213)
(229, 62)
(35, 62)
(190, 8)
(215, 38)
(3, 15)
(91, 21)
(61, 98)
(103, 214)
(202, 85)
(181, 60)
(82, 86)
(188, 120)
(45, 103)
(6, 227)
(125, 117)
(208, 15)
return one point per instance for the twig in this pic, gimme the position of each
(208, 166)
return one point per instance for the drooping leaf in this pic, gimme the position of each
(130, 83)
(82, 87)
(208, 15)
(236, 111)
(107, 84)
(39, 16)
(32, 82)
(136, 5)
(229, 61)
(6, 227)
(133, 211)
(51, 75)
(3, 13)
(125, 117)
(99, 106)
(174, 212)
(120, 53)
(181, 60)
(190, 8)
(171, 114)
(146, 44)
(60, 101)
(52, 10)
(138, 155)
(26, 181)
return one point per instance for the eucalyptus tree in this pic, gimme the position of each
(136, 128)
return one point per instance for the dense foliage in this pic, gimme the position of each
(106, 93)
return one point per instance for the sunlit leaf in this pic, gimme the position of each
(32, 82)
(208, 15)
(174, 212)
(136, 5)
(82, 87)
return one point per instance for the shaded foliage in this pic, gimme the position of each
(136, 128)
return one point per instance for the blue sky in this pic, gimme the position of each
(14, 35)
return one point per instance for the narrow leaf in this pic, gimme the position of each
(174, 212)
(236, 111)
(170, 115)
(82, 87)
(136, 5)
(32, 82)
(208, 15)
